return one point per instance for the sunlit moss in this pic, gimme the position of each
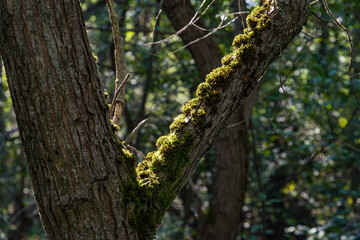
(192, 104)
(173, 148)
(115, 127)
(178, 123)
(106, 94)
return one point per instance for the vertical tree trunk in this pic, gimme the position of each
(61, 113)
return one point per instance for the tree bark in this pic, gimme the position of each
(85, 182)
(63, 123)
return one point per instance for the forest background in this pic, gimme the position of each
(299, 175)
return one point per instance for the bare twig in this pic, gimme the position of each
(235, 124)
(156, 22)
(134, 132)
(220, 26)
(313, 2)
(337, 22)
(193, 20)
(137, 151)
(291, 68)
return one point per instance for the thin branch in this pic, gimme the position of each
(30, 206)
(156, 22)
(236, 124)
(134, 132)
(313, 2)
(291, 68)
(337, 22)
(193, 20)
(207, 35)
(223, 17)
(137, 151)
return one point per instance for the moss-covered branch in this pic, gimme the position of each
(161, 176)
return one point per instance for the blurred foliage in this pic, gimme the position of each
(305, 125)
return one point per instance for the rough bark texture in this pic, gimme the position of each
(64, 127)
(84, 180)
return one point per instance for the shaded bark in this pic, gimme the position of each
(63, 123)
(84, 180)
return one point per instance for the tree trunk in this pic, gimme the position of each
(63, 121)
(85, 182)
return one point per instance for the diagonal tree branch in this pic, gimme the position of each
(270, 29)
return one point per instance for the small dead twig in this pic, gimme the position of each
(137, 151)
(134, 132)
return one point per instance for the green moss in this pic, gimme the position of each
(146, 176)
(115, 127)
(219, 76)
(257, 21)
(171, 156)
(203, 90)
(161, 140)
(165, 145)
(106, 94)
(208, 94)
(178, 123)
(227, 59)
(192, 104)
(198, 116)
(246, 52)
(128, 154)
(95, 57)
